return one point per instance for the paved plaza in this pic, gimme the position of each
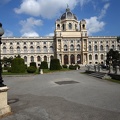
(62, 96)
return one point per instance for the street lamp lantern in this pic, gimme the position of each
(1, 33)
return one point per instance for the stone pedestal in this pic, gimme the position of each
(76, 68)
(41, 71)
(4, 107)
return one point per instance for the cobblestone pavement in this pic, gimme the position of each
(77, 97)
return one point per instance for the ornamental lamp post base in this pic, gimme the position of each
(41, 71)
(4, 107)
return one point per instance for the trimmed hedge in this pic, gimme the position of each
(72, 67)
(115, 76)
(64, 66)
(77, 66)
(18, 65)
(33, 64)
(55, 64)
(44, 65)
(31, 69)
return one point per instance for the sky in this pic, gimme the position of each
(34, 18)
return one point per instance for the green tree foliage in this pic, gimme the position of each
(31, 69)
(33, 64)
(113, 57)
(64, 66)
(44, 65)
(18, 65)
(118, 39)
(7, 62)
(55, 64)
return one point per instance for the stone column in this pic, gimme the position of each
(4, 107)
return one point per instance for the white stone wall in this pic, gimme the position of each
(32, 45)
(98, 41)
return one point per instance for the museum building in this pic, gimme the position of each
(70, 44)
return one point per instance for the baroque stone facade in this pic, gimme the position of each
(70, 44)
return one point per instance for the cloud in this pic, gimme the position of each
(50, 34)
(46, 8)
(8, 33)
(31, 34)
(52, 8)
(83, 2)
(29, 25)
(104, 10)
(94, 25)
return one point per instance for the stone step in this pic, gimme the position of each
(98, 75)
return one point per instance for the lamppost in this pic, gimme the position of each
(1, 80)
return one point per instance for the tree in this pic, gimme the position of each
(7, 61)
(18, 65)
(55, 64)
(44, 65)
(118, 39)
(113, 58)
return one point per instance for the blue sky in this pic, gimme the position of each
(37, 17)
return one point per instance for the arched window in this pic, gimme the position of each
(83, 26)
(101, 56)
(25, 49)
(95, 48)
(107, 48)
(58, 26)
(78, 59)
(101, 47)
(118, 47)
(18, 49)
(72, 59)
(90, 48)
(45, 58)
(63, 26)
(65, 59)
(32, 49)
(96, 57)
(72, 48)
(38, 59)
(113, 47)
(11, 49)
(90, 57)
(38, 49)
(51, 48)
(4, 49)
(76, 27)
(70, 26)
(32, 59)
(45, 49)
(78, 47)
(25, 58)
(65, 48)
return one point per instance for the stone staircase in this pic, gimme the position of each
(98, 75)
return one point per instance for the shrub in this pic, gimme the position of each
(72, 67)
(5, 68)
(77, 66)
(31, 69)
(18, 65)
(64, 66)
(55, 64)
(26, 66)
(33, 64)
(9, 69)
(44, 65)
